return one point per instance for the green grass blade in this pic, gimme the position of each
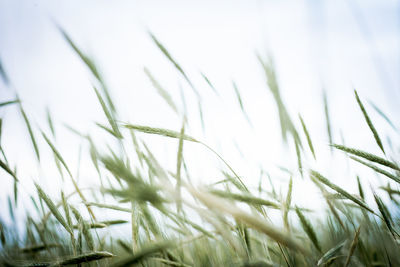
(287, 125)
(161, 91)
(310, 144)
(327, 119)
(53, 208)
(109, 115)
(368, 156)
(383, 115)
(286, 207)
(60, 158)
(159, 131)
(352, 247)
(89, 63)
(238, 96)
(83, 258)
(308, 228)
(68, 217)
(50, 122)
(240, 101)
(106, 206)
(256, 222)
(144, 253)
(6, 103)
(369, 122)
(330, 255)
(172, 60)
(377, 169)
(56, 153)
(387, 218)
(32, 136)
(325, 181)
(360, 189)
(247, 198)
(209, 83)
(179, 165)
(3, 74)
(6, 168)
(298, 154)
(85, 228)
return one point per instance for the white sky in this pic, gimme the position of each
(337, 45)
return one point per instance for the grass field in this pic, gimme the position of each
(168, 220)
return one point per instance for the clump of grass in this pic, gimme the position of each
(160, 218)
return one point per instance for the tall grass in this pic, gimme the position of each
(175, 223)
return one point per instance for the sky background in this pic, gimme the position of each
(332, 45)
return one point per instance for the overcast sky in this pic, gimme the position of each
(335, 45)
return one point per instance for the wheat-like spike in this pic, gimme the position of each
(3, 74)
(319, 177)
(159, 131)
(32, 136)
(377, 169)
(286, 207)
(106, 206)
(327, 118)
(15, 191)
(383, 115)
(179, 165)
(247, 198)
(172, 60)
(109, 115)
(89, 63)
(352, 246)
(369, 122)
(385, 213)
(37, 248)
(85, 228)
(53, 208)
(256, 222)
(174, 134)
(330, 255)
(83, 258)
(308, 228)
(209, 83)
(144, 253)
(101, 224)
(5, 167)
(368, 156)
(91, 66)
(50, 122)
(69, 221)
(1, 131)
(239, 97)
(390, 190)
(309, 141)
(60, 158)
(286, 122)
(298, 154)
(201, 115)
(56, 153)
(161, 91)
(66, 209)
(360, 189)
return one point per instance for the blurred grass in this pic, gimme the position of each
(175, 223)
